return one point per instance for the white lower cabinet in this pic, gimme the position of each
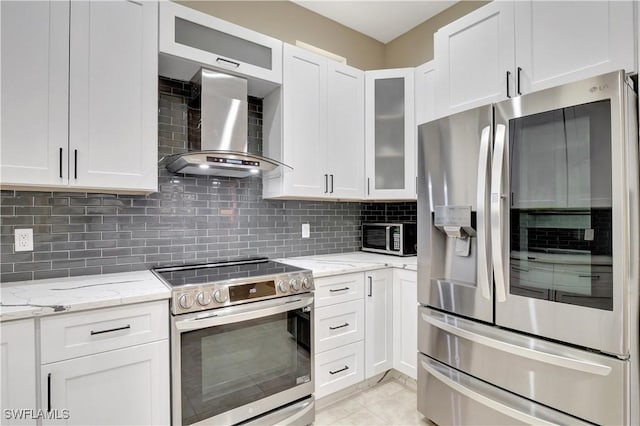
(379, 322)
(405, 322)
(17, 371)
(339, 330)
(107, 367)
(122, 387)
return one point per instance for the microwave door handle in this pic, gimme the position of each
(484, 259)
(497, 222)
(387, 232)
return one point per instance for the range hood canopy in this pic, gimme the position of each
(223, 148)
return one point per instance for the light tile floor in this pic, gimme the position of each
(388, 403)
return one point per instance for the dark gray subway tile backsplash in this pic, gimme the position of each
(191, 218)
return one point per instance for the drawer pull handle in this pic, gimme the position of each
(126, 327)
(333, 290)
(515, 268)
(595, 277)
(228, 62)
(338, 371)
(346, 324)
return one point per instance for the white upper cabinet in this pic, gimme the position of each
(322, 136)
(475, 57)
(507, 49)
(305, 122)
(345, 142)
(205, 40)
(560, 42)
(35, 93)
(390, 137)
(425, 92)
(113, 93)
(79, 98)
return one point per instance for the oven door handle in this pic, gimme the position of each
(242, 314)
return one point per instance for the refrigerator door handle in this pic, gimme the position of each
(482, 399)
(516, 349)
(484, 273)
(497, 223)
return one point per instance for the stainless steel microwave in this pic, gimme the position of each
(390, 238)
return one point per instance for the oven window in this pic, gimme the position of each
(561, 222)
(228, 366)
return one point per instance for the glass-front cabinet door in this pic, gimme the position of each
(565, 216)
(390, 147)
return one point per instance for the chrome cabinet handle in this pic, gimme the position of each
(484, 259)
(75, 164)
(596, 277)
(346, 367)
(331, 191)
(497, 201)
(368, 186)
(326, 183)
(346, 324)
(60, 160)
(508, 78)
(370, 286)
(111, 330)
(338, 289)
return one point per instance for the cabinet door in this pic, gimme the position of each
(345, 142)
(113, 95)
(405, 322)
(475, 59)
(304, 122)
(379, 322)
(425, 92)
(122, 387)
(563, 41)
(34, 75)
(390, 134)
(17, 370)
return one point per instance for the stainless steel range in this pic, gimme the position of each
(242, 343)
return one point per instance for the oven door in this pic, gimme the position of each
(236, 363)
(564, 213)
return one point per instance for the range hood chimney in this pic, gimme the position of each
(223, 148)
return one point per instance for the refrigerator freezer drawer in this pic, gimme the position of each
(450, 397)
(584, 384)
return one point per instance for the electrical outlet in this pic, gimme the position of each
(306, 230)
(24, 239)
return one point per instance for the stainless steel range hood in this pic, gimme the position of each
(218, 144)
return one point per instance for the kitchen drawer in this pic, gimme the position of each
(339, 288)
(339, 325)
(83, 333)
(339, 368)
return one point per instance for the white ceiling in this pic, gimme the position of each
(381, 20)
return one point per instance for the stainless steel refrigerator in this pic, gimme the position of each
(528, 257)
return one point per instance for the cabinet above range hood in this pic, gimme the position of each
(218, 144)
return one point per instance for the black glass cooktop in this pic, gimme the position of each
(215, 272)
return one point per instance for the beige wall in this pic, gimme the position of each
(415, 47)
(289, 22)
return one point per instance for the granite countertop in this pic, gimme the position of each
(344, 263)
(26, 299)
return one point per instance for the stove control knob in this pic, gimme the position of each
(282, 287)
(220, 296)
(306, 283)
(203, 298)
(294, 284)
(185, 301)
